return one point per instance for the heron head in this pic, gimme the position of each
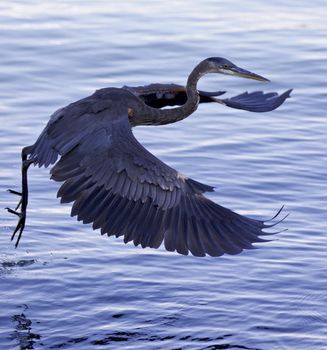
(223, 66)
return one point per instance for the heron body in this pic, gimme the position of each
(123, 189)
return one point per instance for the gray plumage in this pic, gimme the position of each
(123, 189)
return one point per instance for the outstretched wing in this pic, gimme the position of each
(162, 95)
(257, 101)
(124, 190)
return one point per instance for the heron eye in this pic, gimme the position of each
(225, 66)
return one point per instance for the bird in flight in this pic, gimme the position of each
(123, 189)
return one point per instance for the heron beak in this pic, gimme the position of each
(240, 72)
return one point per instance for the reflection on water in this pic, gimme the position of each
(19, 263)
(111, 339)
(23, 334)
(25, 338)
(85, 291)
(8, 266)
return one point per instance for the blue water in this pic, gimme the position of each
(68, 287)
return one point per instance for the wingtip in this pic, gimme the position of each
(287, 93)
(265, 226)
(278, 212)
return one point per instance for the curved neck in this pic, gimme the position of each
(146, 115)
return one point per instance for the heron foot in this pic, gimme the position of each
(22, 204)
(15, 192)
(20, 225)
(20, 201)
(13, 211)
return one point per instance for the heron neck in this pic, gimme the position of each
(146, 115)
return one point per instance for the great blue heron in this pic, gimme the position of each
(123, 189)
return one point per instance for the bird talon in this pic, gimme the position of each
(15, 192)
(19, 204)
(20, 209)
(13, 212)
(19, 227)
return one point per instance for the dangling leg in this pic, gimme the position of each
(24, 196)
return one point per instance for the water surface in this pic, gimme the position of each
(66, 286)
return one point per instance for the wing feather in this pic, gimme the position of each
(94, 204)
(181, 235)
(257, 101)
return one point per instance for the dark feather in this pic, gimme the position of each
(257, 101)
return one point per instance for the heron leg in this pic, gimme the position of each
(22, 204)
